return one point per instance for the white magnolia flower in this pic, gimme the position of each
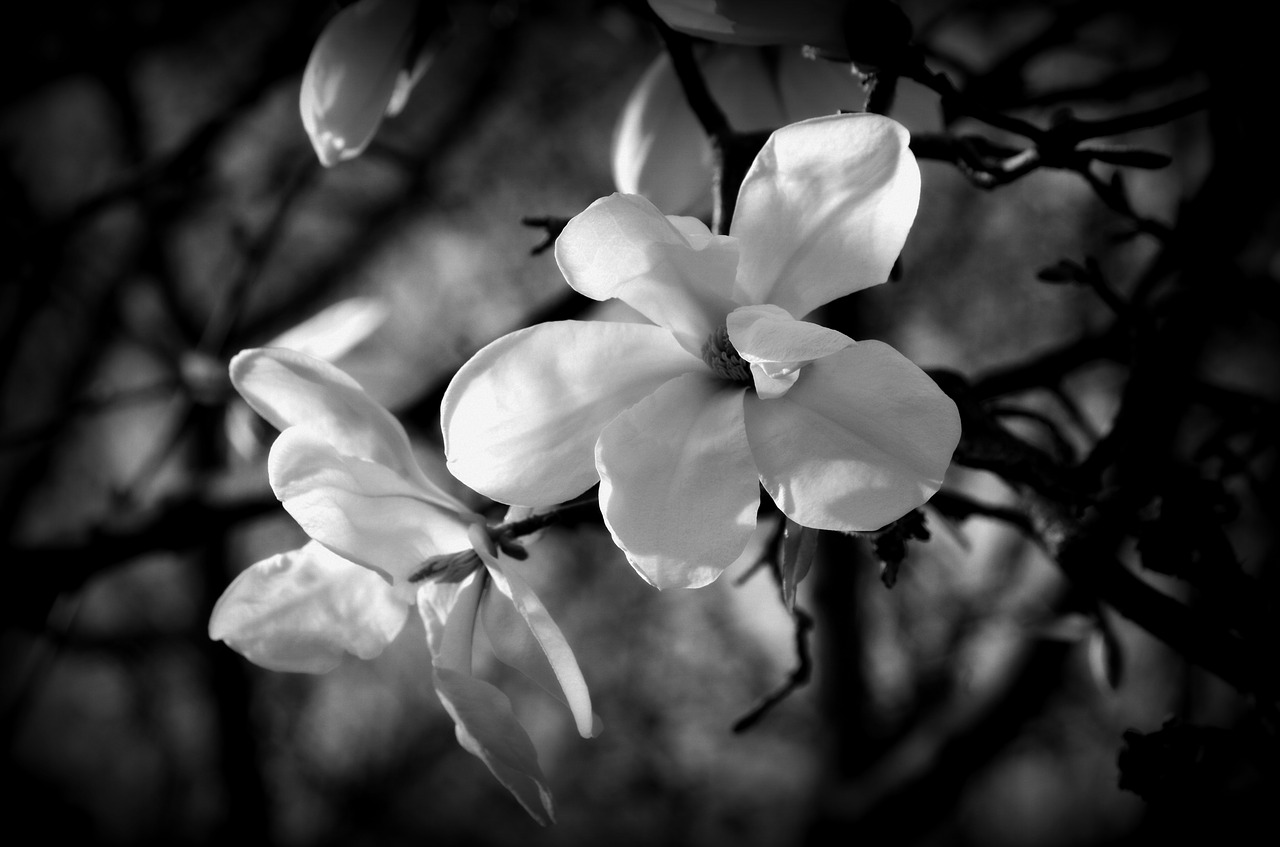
(344, 469)
(659, 148)
(360, 71)
(683, 419)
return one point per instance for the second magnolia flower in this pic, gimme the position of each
(683, 419)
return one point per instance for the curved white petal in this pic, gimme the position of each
(861, 439)
(359, 509)
(777, 345)
(351, 75)
(521, 418)
(290, 388)
(303, 610)
(678, 488)
(659, 150)
(514, 645)
(622, 246)
(536, 620)
(824, 211)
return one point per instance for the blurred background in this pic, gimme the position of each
(163, 209)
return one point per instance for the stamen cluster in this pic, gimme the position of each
(719, 354)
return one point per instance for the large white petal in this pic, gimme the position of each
(677, 484)
(521, 418)
(862, 438)
(290, 388)
(351, 75)
(622, 246)
(504, 634)
(360, 509)
(824, 211)
(303, 610)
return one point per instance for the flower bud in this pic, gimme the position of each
(358, 72)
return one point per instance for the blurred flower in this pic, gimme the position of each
(659, 148)
(361, 68)
(682, 421)
(344, 469)
(817, 23)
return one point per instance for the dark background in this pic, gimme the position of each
(162, 209)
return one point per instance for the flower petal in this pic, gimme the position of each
(521, 418)
(677, 484)
(659, 150)
(824, 211)
(485, 724)
(622, 246)
(351, 75)
(487, 728)
(359, 509)
(289, 388)
(303, 610)
(555, 650)
(448, 613)
(861, 439)
(515, 645)
(777, 345)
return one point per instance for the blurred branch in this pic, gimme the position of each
(798, 678)
(40, 573)
(553, 227)
(93, 402)
(958, 507)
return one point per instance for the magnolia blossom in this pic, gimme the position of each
(817, 23)
(681, 420)
(660, 149)
(360, 69)
(344, 469)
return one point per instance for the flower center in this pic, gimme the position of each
(723, 360)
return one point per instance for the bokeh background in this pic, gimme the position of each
(162, 209)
